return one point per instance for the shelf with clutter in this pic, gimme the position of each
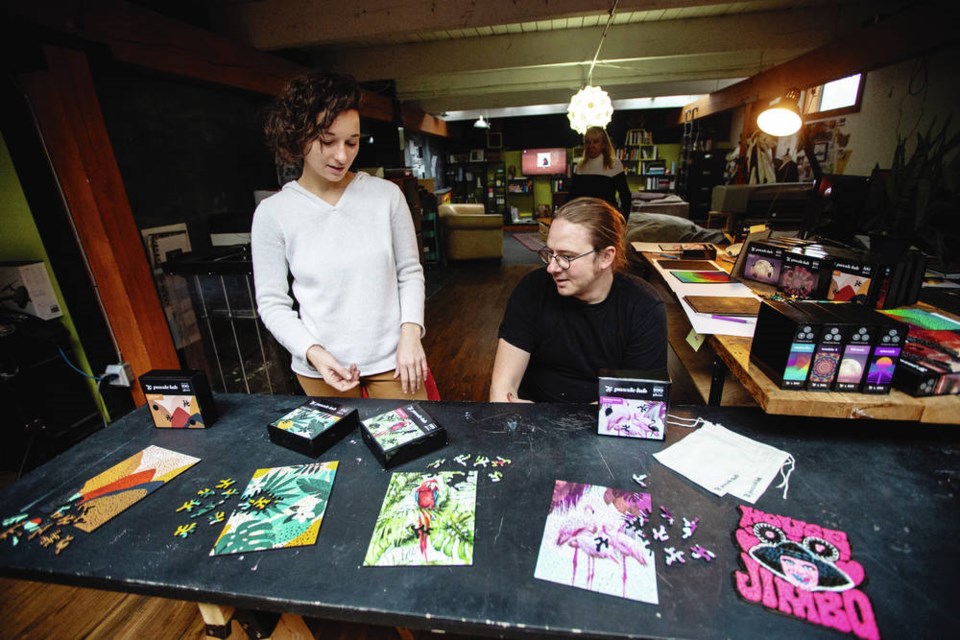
(644, 164)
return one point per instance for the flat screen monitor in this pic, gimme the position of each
(541, 162)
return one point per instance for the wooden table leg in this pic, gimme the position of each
(217, 619)
(716, 382)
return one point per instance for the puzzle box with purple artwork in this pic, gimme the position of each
(633, 406)
(763, 262)
(802, 570)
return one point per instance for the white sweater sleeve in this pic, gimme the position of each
(270, 272)
(410, 280)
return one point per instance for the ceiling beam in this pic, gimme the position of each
(910, 34)
(794, 30)
(281, 24)
(147, 39)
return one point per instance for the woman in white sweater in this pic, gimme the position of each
(351, 312)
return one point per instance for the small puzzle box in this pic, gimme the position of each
(633, 404)
(179, 398)
(313, 427)
(402, 434)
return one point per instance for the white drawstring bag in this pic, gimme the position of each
(723, 462)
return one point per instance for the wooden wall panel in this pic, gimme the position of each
(68, 113)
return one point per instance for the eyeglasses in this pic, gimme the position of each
(562, 261)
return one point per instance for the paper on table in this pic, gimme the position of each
(722, 462)
(704, 323)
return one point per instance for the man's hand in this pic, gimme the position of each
(334, 374)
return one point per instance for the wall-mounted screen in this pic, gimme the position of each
(538, 162)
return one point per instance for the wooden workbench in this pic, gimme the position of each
(709, 369)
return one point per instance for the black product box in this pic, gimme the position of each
(763, 262)
(804, 277)
(885, 356)
(916, 379)
(852, 279)
(179, 398)
(829, 349)
(402, 434)
(313, 427)
(930, 363)
(901, 281)
(860, 330)
(633, 404)
(784, 342)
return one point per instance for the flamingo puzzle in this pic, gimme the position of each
(591, 540)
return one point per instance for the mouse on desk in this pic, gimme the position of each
(733, 250)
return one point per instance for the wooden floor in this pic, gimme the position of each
(464, 309)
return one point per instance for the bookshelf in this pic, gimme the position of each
(640, 157)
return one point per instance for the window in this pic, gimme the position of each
(833, 98)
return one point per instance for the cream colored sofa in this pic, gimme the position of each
(469, 233)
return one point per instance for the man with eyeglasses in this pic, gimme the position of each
(580, 314)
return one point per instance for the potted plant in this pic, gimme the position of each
(912, 202)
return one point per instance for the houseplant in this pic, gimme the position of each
(915, 202)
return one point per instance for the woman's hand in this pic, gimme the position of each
(412, 366)
(334, 374)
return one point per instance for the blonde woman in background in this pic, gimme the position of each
(599, 174)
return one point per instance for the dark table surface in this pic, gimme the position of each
(891, 486)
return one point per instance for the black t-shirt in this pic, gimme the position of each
(569, 341)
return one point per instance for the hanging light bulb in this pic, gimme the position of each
(782, 117)
(591, 106)
(481, 123)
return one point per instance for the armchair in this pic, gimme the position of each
(469, 233)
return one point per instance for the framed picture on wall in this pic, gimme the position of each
(494, 140)
(476, 155)
(820, 150)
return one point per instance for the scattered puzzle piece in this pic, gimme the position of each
(701, 553)
(14, 519)
(206, 492)
(229, 493)
(462, 459)
(689, 527)
(188, 506)
(640, 479)
(501, 461)
(495, 476)
(218, 517)
(185, 530)
(660, 534)
(436, 463)
(62, 544)
(226, 483)
(481, 461)
(260, 503)
(666, 515)
(674, 556)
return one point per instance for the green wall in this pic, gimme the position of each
(20, 240)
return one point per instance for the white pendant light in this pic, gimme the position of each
(481, 123)
(591, 106)
(782, 117)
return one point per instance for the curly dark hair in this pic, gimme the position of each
(304, 109)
